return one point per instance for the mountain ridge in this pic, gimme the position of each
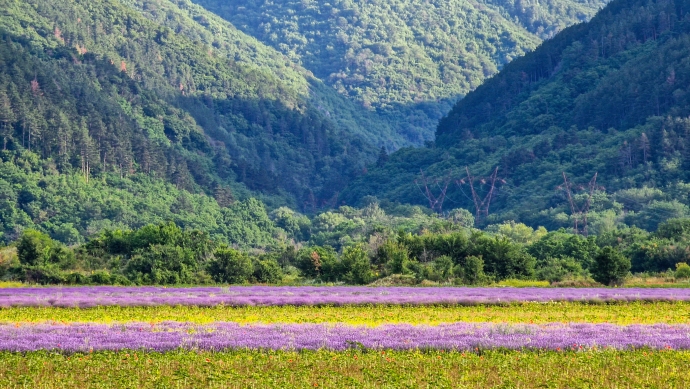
(606, 97)
(390, 56)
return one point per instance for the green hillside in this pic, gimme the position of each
(200, 25)
(407, 60)
(107, 87)
(608, 97)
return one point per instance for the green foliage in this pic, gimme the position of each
(232, 267)
(443, 266)
(651, 252)
(165, 254)
(408, 60)
(559, 244)
(674, 229)
(461, 217)
(356, 266)
(120, 87)
(38, 249)
(267, 271)
(297, 226)
(682, 270)
(318, 262)
(472, 270)
(610, 266)
(70, 209)
(517, 232)
(502, 258)
(33, 247)
(162, 264)
(559, 269)
(393, 258)
(604, 97)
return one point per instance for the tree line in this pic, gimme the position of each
(165, 254)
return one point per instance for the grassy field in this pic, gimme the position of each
(274, 369)
(617, 313)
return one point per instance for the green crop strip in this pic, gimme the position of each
(243, 369)
(619, 313)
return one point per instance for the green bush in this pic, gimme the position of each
(45, 275)
(682, 270)
(559, 269)
(355, 266)
(267, 271)
(610, 266)
(76, 278)
(472, 270)
(165, 265)
(318, 262)
(32, 247)
(393, 257)
(100, 277)
(443, 267)
(230, 266)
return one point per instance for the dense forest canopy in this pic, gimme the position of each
(608, 97)
(406, 59)
(100, 88)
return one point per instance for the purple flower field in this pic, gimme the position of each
(265, 296)
(222, 336)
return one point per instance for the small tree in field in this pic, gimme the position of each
(230, 266)
(610, 266)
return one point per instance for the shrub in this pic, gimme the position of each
(443, 266)
(37, 249)
(317, 261)
(267, 271)
(682, 270)
(559, 269)
(160, 264)
(33, 247)
(610, 266)
(355, 266)
(100, 277)
(76, 278)
(472, 270)
(42, 275)
(394, 257)
(230, 266)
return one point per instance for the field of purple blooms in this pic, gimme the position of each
(86, 297)
(173, 338)
(170, 336)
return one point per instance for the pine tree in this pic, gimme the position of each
(383, 157)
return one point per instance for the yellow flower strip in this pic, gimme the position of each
(620, 313)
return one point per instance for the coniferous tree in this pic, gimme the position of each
(383, 157)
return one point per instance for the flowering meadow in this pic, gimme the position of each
(362, 337)
(304, 295)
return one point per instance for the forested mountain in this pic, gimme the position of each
(120, 89)
(407, 60)
(609, 97)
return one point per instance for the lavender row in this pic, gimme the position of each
(223, 336)
(266, 296)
